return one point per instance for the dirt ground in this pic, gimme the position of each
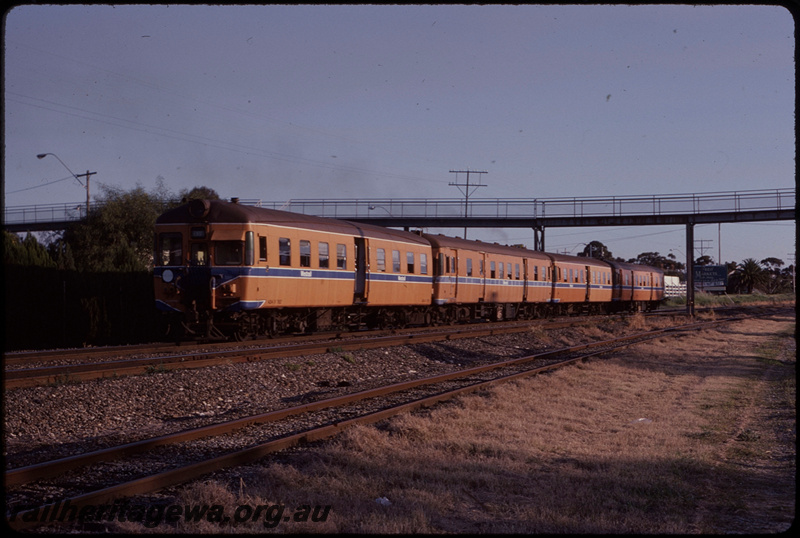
(692, 433)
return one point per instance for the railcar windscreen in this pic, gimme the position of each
(170, 249)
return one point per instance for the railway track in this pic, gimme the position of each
(286, 427)
(113, 363)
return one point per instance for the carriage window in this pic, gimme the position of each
(409, 262)
(395, 261)
(285, 251)
(536, 272)
(509, 270)
(341, 256)
(500, 269)
(469, 266)
(249, 248)
(262, 248)
(171, 249)
(228, 252)
(381, 260)
(481, 267)
(305, 253)
(423, 264)
(323, 255)
(492, 270)
(516, 271)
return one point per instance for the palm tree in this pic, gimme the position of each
(750, 273)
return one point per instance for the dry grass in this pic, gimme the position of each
(650, 441)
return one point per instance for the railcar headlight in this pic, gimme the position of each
(167, 276)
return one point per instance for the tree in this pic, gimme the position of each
(775, 280)
(118, 234)
(704, 260)
(596, 249)
(749, 274)
(198, 193)
(669, 264)
(27, 252)
(61, 253)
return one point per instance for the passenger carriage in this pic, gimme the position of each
(580, 284)
(636, 287)
(266, 271)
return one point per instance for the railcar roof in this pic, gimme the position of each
(579, 259)
(480, 246)
(635, 267)
(230, 212)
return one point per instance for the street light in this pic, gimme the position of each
(76, 176)
(374, 207)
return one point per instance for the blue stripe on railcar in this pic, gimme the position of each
(164, 307)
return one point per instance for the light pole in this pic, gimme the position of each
(374, 207)
(76, 176)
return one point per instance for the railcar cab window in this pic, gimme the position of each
(228, 252)
(199, 254)
(262, 248)
(170, 248)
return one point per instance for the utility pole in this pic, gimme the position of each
(703, 247)
(466, 190)
(87, 174)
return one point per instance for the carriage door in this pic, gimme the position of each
(588, 282)
(455, 271)
(524, 279)
(482, 274)
(360, 292)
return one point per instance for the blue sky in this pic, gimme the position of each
(287, 102)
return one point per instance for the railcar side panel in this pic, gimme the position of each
(398, 273)
(538, 283)
(504, 282)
